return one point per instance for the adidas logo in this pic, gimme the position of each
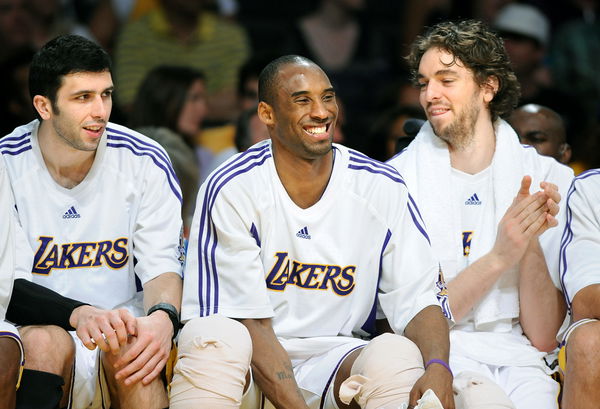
(473, 200)
(303, 233)
(71, 214)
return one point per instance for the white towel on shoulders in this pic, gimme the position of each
(425, 166)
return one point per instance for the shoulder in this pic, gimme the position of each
(587, 183)
(16, 147)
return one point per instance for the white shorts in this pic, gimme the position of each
(90, 390)
(8, 330)
(527, 386)
(314, 376)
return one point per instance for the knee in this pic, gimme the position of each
(583, 347)
(213, 357)
(383, 373)
(47, 348)
(10, 361)
(473, 390)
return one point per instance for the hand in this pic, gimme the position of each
(107, 329)
(149, 350)
(553, 198)
(527, 217)
(439, 380)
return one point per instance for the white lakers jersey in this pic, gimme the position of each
(319, 271)
(120, 224)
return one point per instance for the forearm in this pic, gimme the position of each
(271, 366)
(586, 303)
(34, 304)
(472, 284)
(542, 305)
(429, 331)
(165, 288)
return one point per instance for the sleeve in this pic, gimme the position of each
(580, 248)
(7, 244)
(224, 273)
(157, 236)
(409, 270)
(33, 304)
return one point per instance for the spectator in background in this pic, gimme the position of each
(388, 136)
(542, 128)
(182, 32)
(169, 108)
(15, 103)
(15, 27)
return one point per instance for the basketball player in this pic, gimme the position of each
(580, 276)
(294, 245)
(100, 207)
(472, 179)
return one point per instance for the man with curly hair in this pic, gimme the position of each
(496, 242)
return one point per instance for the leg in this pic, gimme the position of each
(49, 357)
(582, 377)
(214, 356)
(10, 362)
(529, 387)
(380, 375)
(138, 395)
(472, 390)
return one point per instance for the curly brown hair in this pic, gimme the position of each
(479, 49)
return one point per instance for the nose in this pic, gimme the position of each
(319, 110)
(99, 107)
(431, 91)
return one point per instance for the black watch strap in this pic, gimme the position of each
(171, 312)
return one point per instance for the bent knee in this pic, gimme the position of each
(213, 357)
(475, 391)
(47, 348)
(388, 352)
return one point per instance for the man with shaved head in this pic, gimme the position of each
(295, 244)
(542, 128)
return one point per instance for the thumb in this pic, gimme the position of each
(525, 185)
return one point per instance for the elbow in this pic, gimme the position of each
(546, 346)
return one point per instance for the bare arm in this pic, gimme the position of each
(542, 305)
(271, 366)
(528, 217)
(150, 350)
(429, 331)
(586, 303)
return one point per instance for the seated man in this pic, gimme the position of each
(471, 176)
(542, 128)
(33, 304)
(580, 275)
(294, 244)
(101, 206)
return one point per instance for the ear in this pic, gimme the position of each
(490, 88)
(266, 114)
(43, 106)
(564, 153)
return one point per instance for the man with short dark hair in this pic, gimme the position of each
(295, 244)
(100, 206)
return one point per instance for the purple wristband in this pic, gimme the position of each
(439, 361)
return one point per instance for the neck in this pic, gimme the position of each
(478, 154)
(305, 180)
(67, 166)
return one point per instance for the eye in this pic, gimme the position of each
(83, 97)
(302, 101)
(107, 93)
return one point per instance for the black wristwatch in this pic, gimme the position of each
(171, 312)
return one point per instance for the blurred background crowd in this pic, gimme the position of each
(185, 71)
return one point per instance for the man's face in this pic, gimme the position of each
(304, 111)
(82, 108)
(539, 131)
(452, 100)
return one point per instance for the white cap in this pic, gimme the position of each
(524, 20)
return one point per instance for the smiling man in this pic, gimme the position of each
(294, 244)
(472, 179)
(100, 206)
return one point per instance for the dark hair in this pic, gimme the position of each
(161, 96)
(480, 50)
(267, 80)
(66, 54)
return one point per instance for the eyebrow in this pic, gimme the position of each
(295, 94)
(440, 72)
(89, 91)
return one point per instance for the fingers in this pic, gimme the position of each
(145, 367)
(129, 321)
(525, 185)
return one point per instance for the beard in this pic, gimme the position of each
(460, 133)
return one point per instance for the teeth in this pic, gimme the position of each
(316, 129)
